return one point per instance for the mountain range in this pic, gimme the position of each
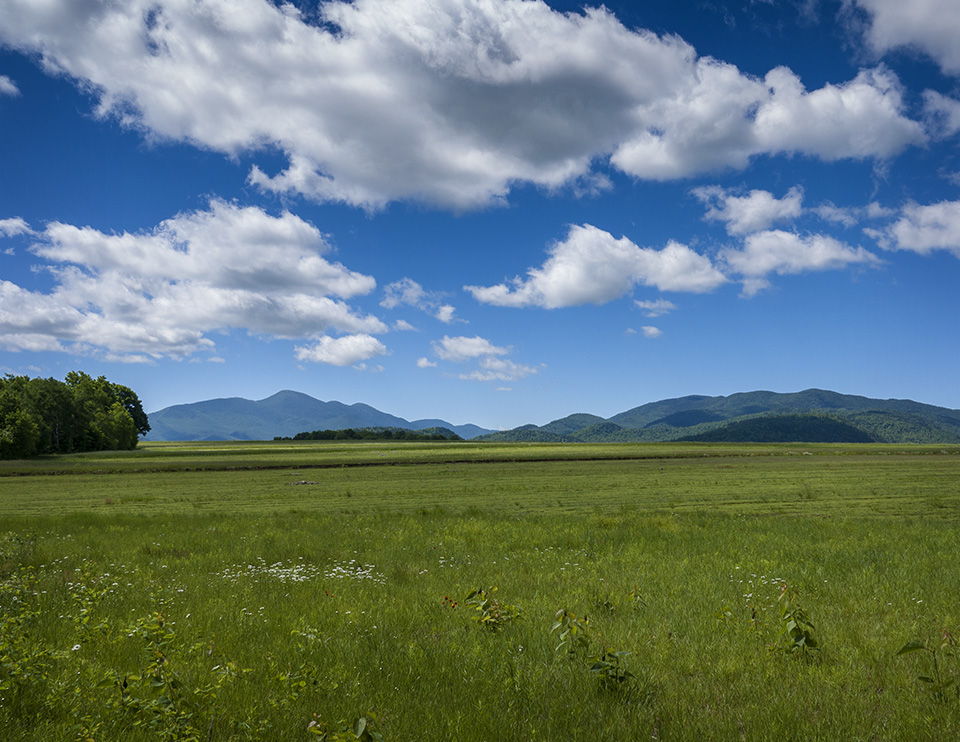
(808, 416)
(813, 415)
(285, 413)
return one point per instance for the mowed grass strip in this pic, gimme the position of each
(246, 455)
(776, 479)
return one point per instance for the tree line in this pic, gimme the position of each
(375, 434)
(46, 416)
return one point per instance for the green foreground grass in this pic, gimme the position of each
(244, 591)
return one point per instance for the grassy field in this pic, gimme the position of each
(247, 591)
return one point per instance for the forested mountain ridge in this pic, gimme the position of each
(813, 415)
(285, 413)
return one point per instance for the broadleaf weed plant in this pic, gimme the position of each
(363, 728)
(576, 640)
(490, 612)
(797, 627)
(611, 670)
(942, 678)
(572, 632)
(158, 698)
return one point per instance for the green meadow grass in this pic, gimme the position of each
(243, 591)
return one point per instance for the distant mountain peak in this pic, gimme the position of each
(765, 415)
(285, 413)
(289, 412)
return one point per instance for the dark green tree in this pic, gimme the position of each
(40, 416)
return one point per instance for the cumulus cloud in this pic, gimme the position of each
(656, 308)
(342, 351)
(425, 363)
(651, 332)
(463, 348)
(931, 26)
(490, 359)
(724, 119)
(445, 313)
(14, 226)
(160, 293)
(858, 119)
(8, 87)
(777, 251)
(751, 213)
(591, 266)
(923, 229)
(449, 102)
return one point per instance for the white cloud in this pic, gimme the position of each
(943, 113)
(403, 326)
(8, 87)
(449, 102)
(876, 211)
(751, 213)
(932, 26)
(924, 229)
(656, 308)
(463, 348)
(13, 227)
(753, 286)
(342, 351)
(445, 313)
(859, 119)
(776, 251)
(425, 363)
(850, 216)
(408, 292)
(651, 332)
(498, 369)
(405, 291)
(591, 266)
(492, 366)
(161, 292)
(227, 246)
(830, 212)
(724, 119)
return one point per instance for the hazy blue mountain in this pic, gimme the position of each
(285, 413)
(848, 418)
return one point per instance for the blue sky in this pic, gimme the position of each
(487, 211)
